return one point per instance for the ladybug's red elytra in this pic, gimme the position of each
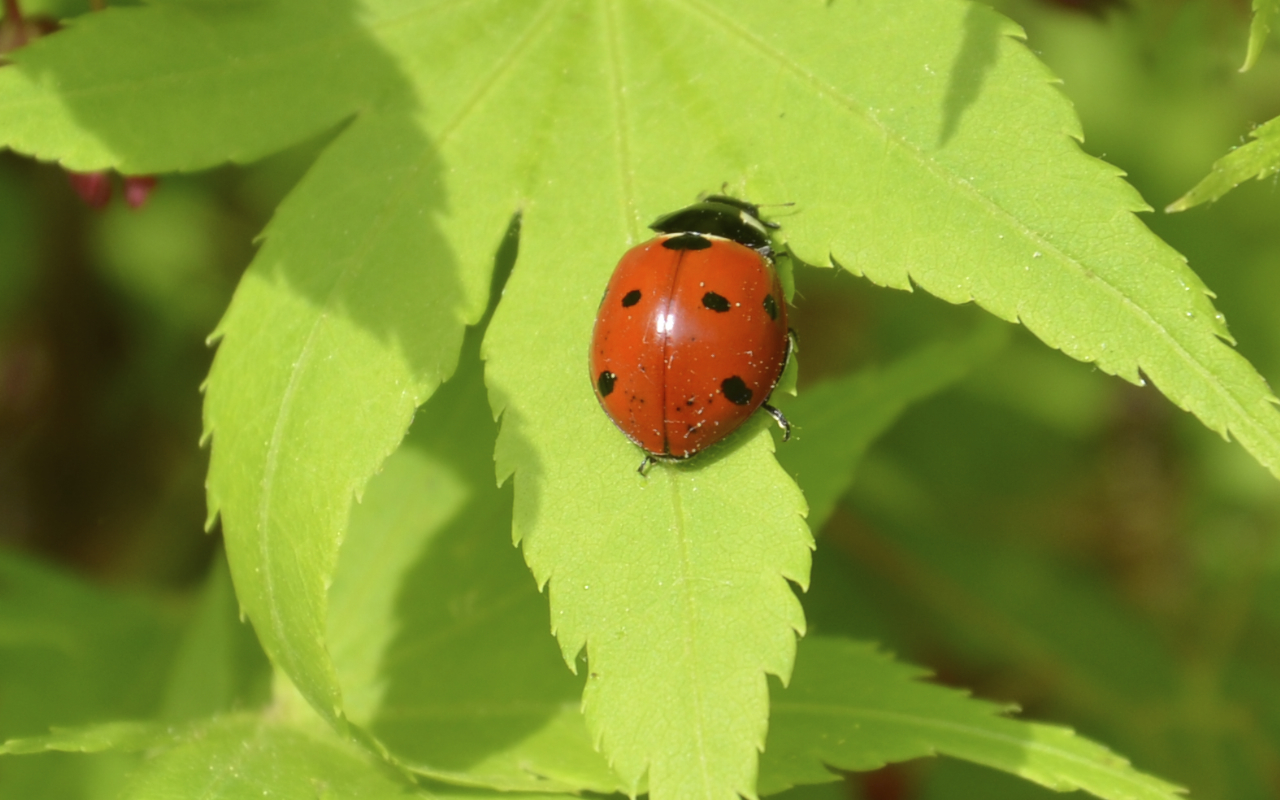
(691, 336)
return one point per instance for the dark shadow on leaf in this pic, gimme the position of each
(473, 668)
(976, 58)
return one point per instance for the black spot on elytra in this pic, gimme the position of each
(687, 241)
(736, 391)
(715, 302)
(771, 306)
(605, 382)
(631, 298)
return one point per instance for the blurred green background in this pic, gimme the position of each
(1042, 533)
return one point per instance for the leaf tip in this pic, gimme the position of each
(211, 516)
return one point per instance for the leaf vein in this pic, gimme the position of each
(691, 628)
(621, 117)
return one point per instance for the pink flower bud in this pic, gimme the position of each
(137, 189)
(93, 187)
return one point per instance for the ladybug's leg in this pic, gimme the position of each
(644, 465)
(781, 419)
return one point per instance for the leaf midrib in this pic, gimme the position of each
(621, 122)
(690, 624)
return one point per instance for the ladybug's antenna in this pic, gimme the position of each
(769, 223)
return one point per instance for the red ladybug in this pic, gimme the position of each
(691, 336)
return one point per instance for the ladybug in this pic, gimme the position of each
(691, 335)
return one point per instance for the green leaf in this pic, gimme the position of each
(234, 756)
(1259, 158)
(354, 309)
(439, 634)
(219, 665)
(1263, 12)
(123, 736)
(852, 708)
(333, 339)
(244, 756)
(402, 510)
(837, 420)
(71, 653)
(176, 86)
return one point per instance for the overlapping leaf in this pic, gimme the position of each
(849, 707)
(439, 634)
(245, 756)
(219, 665)
(1259, 158)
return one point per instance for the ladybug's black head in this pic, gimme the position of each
(719, 215)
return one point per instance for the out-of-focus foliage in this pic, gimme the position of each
(1264, 12)
(1020, 523)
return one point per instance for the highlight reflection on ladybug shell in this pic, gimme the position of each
(690, 339)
